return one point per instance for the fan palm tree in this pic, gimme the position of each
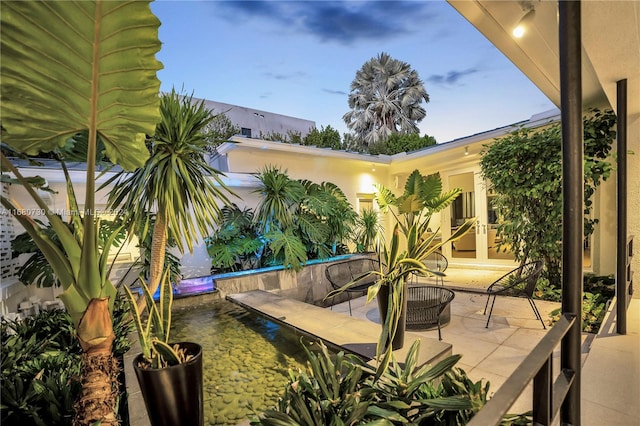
(386, 97)
(71, 67)
(176, 181)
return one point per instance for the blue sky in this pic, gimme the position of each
(299, 58)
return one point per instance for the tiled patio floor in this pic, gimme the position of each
(610, 394)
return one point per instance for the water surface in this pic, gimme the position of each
(245, 358)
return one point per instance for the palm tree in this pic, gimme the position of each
(176, 181)
(366, 231)
(67, 68)
(385, 98)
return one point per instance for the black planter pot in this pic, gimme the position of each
(383, 302)
(173, 395)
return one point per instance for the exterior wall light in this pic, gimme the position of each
(525, 22)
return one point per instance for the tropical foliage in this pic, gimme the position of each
(386, 97)
(597, 292)
(402, 258)
(343, 390)
(36, 269)
(110, 91)
(41, 364)
(367, 230)
(524, 170)
(300, 219)
(236, 245)
(176, 181)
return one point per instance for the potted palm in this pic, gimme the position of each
(169, 374)
(402, 256)
(110, 93)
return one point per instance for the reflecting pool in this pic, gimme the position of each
(245, 358)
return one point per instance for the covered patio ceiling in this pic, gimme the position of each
(610, 37)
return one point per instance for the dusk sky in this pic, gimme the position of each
(299, 58)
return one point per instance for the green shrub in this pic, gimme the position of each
(597, 291)
(343, 390)
(546, 291)
(41, 361)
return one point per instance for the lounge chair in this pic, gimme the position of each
(425, 305)
(520, 282)
(351, 270)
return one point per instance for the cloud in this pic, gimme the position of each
(342, 21)
(335, 92)
(287, 76)
(452, 77)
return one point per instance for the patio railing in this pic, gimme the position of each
(548, 396)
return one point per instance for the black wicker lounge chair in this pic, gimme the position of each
(343, 273)
(520, 282)
(425, 304)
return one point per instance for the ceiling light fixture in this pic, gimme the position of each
(525, 22)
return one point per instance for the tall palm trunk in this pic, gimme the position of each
(158, 251)
(98, 398)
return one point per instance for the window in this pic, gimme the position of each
(246, 132)
(365, 202)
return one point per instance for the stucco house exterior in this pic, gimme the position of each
(254, 122)
(611, 43)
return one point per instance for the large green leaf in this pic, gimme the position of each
(294, 253)
(72, 67)
(80, 65)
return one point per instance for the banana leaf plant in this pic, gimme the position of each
(71, 67)
(410, 243)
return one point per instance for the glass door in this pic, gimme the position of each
(463, 208)
(495, 248)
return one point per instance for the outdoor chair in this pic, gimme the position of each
(425, 304)
(520, 282)
(435, 261)
(343, 273)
